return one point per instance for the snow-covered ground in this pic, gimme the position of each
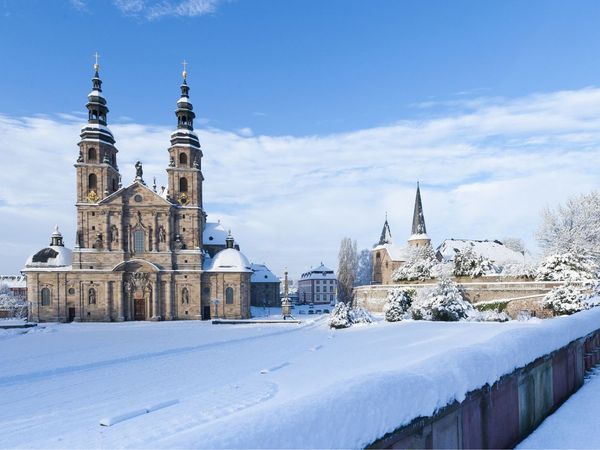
(271, 385)
(574, 424)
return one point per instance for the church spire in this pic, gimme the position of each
(418, 236)
(97, 109)
(184, 112)
(386, 234)
(418, 223)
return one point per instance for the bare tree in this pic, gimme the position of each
(364, 268)
(572, 227)
(514, 243)
(347, 264)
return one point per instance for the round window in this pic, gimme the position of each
(210, 238)
(138, 198)
(71, 291)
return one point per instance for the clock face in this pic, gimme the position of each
(183, 199)
(92, 196)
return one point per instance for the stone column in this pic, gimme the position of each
(169, 298)
(170, 232)
(108, 291)
(107, 236)
(155, 295)
(155, 231)
(123, 232)
(120, 300)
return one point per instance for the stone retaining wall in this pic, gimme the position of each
(522, 295)
(501, 415)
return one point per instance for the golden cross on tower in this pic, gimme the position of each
(97, 56)
(184, 73)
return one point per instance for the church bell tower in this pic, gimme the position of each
(97, 170)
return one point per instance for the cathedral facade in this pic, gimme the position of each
(139, 254)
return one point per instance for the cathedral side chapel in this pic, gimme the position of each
(139, 254)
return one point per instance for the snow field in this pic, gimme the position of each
(271, 385)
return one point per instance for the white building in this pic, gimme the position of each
(318, 286)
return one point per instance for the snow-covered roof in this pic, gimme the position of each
(50, 257)
(95, 93)
(262, 274)
(230, 260)
(396, 252)
(13, 281)
(319, 272)
(214, 234)
(495, 251)
(419, 236)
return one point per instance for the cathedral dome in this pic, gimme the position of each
(53, 256)
(230, 260)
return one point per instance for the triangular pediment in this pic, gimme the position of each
(136, 193)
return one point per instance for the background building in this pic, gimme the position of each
(318, 286)
(264, 287)
(17, 284)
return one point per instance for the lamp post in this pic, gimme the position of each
(286, 305)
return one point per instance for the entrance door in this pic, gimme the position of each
(139, 308)
(71, 314)
(206, 314)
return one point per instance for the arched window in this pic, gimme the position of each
(114, 184)
(45, 297)
(182, 158)
(138, 241)
(91, 296)
(185, 296)
(183, 185)
(92, 182)
(91, 154)
(229, 296)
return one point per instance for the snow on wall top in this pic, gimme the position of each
(230, 260)
(262, 274)
(495, 251)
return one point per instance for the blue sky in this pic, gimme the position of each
(293, 67)
(325, 112)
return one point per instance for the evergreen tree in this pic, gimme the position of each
(397, 304)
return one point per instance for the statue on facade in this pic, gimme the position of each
(80, 157)
(92, 296)
(139, 172)
(161, 234)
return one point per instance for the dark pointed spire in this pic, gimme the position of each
(386, 234)
(418, 224)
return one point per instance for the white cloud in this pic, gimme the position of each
(485, 173)
(152, 10)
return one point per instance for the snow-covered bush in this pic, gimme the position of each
(340, 316)
(13, 307)
(444, 302)
(419, 267)
(360, 315)
(517, 270)
(569, 266)
(564, 299)
(397, 303)
(468, 263)
(488, 316)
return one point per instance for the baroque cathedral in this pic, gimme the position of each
(139, 254)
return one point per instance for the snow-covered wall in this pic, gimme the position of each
(501, 415)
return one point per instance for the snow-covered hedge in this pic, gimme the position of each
(397, 303)
(419, 267)
(565, 299)
(13, 307)
(568, 266)
(340, 316)
(468, 263)
(360, 315)
(343, 317)
(444, 302)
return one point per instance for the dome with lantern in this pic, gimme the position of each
(55, 256)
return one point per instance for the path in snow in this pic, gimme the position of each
(574, 424)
